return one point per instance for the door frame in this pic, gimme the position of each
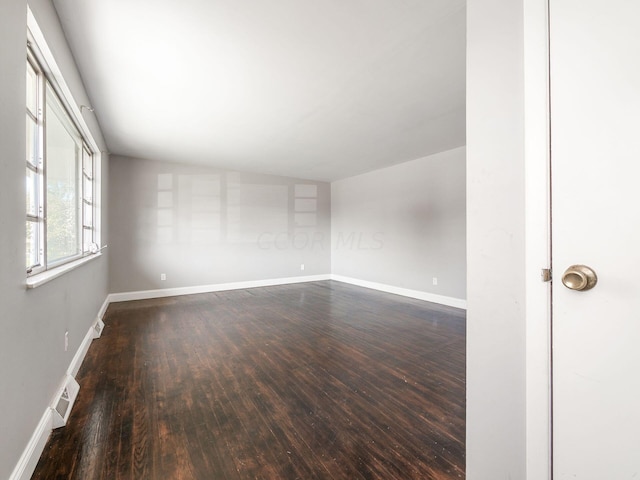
(538, 236)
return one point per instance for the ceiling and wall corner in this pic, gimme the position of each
(321, 91)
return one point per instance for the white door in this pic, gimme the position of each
(595, 163)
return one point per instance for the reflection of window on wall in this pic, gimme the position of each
(60, 177)
(199, 209)
(164, 212)
(305, 206)
(256, 209)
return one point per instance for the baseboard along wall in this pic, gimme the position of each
(219, 287)
(405, 292)
(172, 292)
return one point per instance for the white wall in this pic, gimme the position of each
(204, 226)
(403, 225)
(33, 322)
(496, 347)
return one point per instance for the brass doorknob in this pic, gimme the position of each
(579, 277)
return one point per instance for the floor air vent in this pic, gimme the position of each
(97, 329)
(64, 402)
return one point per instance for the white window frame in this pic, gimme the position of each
(41, 60)
(36, 219)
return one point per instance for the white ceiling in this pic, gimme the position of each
(317, 89)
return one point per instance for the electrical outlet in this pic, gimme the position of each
(435, 280)
(302, 266)
(163, 276)
(66, 340)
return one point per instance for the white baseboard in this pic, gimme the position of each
(405, 292)
(78, 358)
(219, 287)
(172, 292)
(32, 452)
(103, 309)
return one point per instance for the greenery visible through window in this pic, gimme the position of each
(59, 178)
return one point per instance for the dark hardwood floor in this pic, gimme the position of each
(320, 380)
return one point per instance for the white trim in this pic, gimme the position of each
(405, 292)
(538, 241)
(78, 358)
(58, 80)
(39, 279)
(31, 454)
(172, 292)
(53, 73)
(103, 309)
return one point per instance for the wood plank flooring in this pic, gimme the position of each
(320, 380)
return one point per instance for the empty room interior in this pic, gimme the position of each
(265, 240)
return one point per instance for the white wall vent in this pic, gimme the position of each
(63, 401)
(97, 328)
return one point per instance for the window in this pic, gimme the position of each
(60, 176)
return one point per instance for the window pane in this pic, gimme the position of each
(32, 192)
(88, 215)
(32, 90)
(88, 189)
(32, 141)
(63, 150)
(32, 244)
(87, 163)
(88, 239)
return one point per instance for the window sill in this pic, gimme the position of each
(39, 279)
